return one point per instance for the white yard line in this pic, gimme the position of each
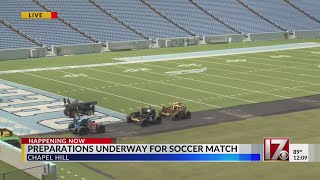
(268, 60)
(293, 56)
(90, 89)
(172, 84)
(143, 89)
(206, 82)
(211, 62)
(239, 79)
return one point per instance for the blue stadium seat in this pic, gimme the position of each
(189, 16)
(90, 19)
(138, 15)
(49, 32)
(283, 14)
(236, 15)
(11, 40)
(312, 7)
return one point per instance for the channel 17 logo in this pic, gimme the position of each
(276, 149)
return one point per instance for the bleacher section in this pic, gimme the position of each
(283, 14)
(90, 19)
(239, 17)
(138, 15)
(189, 16)
(49, 32)
(11, 40)
(312, 7)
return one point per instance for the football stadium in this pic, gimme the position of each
(167, 72)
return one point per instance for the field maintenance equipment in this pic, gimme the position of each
(7, 136)
(82, 125)
(144, 117)
(176, 111)
(77, 108)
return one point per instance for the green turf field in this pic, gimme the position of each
(223, 83)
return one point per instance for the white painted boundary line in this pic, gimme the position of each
(245, 51)
(307, 45)
(287, 67)
(206, 92)
(142, 89)
(206, 82)
(256, 69)
(90, 89)
(221, 76)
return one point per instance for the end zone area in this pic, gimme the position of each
(26, 110)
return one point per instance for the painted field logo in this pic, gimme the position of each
(280, 56)
(137, 70)
(190, 65)
(75, 75)
(276, 149)
(189, 71)
(237, 60)
(26, 110)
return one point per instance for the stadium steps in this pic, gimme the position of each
(214, 17)
(167, 18)
(21, 33)
(118, 19)
(261, 16)
(67, 22)
(302, 11)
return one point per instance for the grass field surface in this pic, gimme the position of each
(225, 81)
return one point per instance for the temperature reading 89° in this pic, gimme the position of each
(297, 151)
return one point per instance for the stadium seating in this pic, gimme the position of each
(90, 19)
(138, 15)
(189, 16)
(11, 40)
(49, 32)
(239, 17)
(311, 7)
(283, 14)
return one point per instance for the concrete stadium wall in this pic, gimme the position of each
(76, 49)
(237, 37)
(307, 34)
(229, 38)
(12, 155)
(217, 39)
(129, 45)
(268, 36)
(177, 42)
(11, 54)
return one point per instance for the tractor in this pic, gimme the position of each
(144, 117)
(83, 125)
(176, 111)
(77, 108)
(7, 136)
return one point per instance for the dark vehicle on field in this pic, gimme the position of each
(144, 117)
(77, 108)
(83, 125)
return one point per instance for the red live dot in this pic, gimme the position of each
(54, 15)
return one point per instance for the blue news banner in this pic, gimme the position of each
(143, 152)
(146, 157)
